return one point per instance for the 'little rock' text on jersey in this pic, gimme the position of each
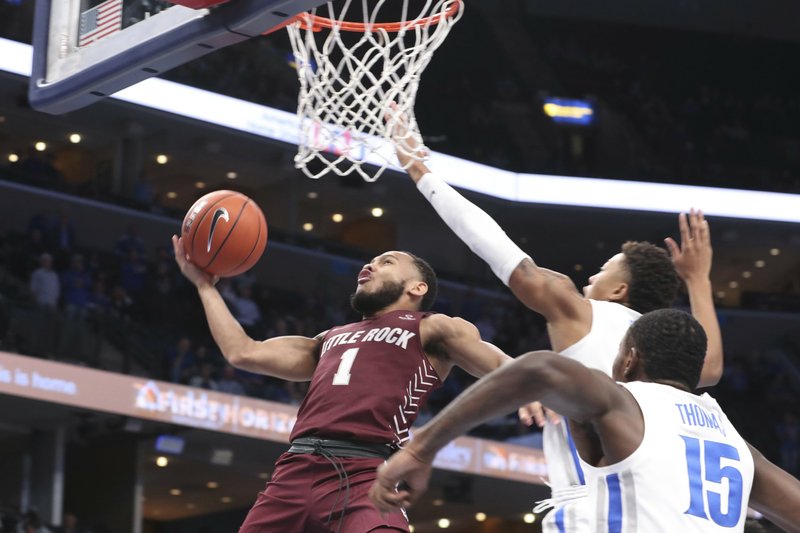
(397, 336)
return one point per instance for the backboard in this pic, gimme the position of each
(85, 50)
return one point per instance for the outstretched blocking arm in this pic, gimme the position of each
(563, 384)
(692, 260)
(549, 293)
(293, 358)
(775, 493)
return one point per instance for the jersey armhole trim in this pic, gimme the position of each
(638, 456)
(425, 356)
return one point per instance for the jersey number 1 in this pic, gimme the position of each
(342, 375)
(707, 455)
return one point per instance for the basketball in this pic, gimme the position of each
(224, 233)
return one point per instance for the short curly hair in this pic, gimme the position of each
(671, 345)
(653, 280)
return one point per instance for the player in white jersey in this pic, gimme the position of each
(586, 327)
(610, 322)
(657, 457)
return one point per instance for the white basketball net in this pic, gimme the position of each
(348, 81)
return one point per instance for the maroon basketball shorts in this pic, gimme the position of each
(306, 495)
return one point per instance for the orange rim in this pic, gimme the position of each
(317, 23)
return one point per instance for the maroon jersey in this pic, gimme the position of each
(370, 383)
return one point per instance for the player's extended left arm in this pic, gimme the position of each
(561, 383)
(472, 224)
(692, 262)
(565, 384)
(549, 293)
(775, 493)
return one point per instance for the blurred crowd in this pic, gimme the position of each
(129, 309)
(12, 521)
(709, 109)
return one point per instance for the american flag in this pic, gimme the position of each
(100, 21)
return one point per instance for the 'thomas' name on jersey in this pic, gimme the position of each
(371, 380)
(692, 472)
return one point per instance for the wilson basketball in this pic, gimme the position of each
(224, 233)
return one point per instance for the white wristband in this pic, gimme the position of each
(477, 229)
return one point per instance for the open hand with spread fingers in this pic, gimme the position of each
(692, 259)
(407, 142)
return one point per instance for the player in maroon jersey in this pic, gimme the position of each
(368, 381)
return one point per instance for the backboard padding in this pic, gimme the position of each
(64, 79)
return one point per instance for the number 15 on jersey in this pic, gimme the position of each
(707, 479)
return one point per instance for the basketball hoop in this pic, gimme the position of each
(350, 73)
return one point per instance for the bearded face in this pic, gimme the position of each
(369, 303)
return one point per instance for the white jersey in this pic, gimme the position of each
(692, 472)
(598, 349)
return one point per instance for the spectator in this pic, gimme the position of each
(128, 241)
(180, 360)
(27, 254)
(31, 523)
(44, 284)
(472, 306)
(158, 298)
(226, 289)
(99, 301)
(205, 378)
(121, 304)
(61, 233)
(297, 391)
(246, 311)
(70, 525)
(201, 355)
(144, 193)
(163, 283)
(229, 383)
(37, 222)
(275, 390)
(94, 265)
(486, 326)
(735, 378)
(133, 273)
(76, 285)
